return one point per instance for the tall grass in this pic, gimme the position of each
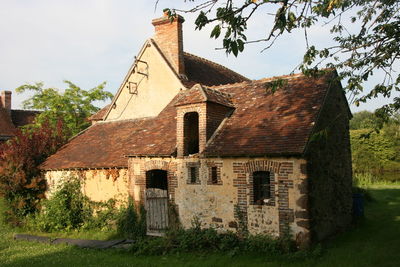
(366, 179)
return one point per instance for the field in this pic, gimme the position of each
(374, 241)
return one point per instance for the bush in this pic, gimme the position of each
(196, 239)
(21, 183)
(67, 209)
(130, 224)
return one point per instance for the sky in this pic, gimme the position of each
(92, 41)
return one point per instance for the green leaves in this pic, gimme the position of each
(370, 45)
(216, 32)
(73, 106)
(275, 85)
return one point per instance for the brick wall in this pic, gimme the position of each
(5, 100)
(169, 37)
(181, 111)
(210, 117)
(279, 179)
(215, 115)
(137, 172)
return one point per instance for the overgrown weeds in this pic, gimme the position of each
(69, 209)
(198, 240)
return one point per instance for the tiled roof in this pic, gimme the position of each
(199, 94)
(266, 123)
(105, 144)
(263, 123)
(208, 73)
(6, 127)
(23, 117)
(99, 115)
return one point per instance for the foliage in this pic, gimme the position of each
(375, 143)
(371, 152)
(66, 209)
(69, 209)
(365, 32)
(130, 223)
(374, 242)
(242, 222)
(197, 239)
(73, 106)
(365, 120)
(21, 183)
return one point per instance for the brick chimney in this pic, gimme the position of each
(5, 100)
(169, 37)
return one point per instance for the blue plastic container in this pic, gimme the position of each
(358, 205)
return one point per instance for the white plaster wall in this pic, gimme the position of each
(154, 92)
(98, 185)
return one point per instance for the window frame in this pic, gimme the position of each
(262, 194)
(192, 168)
(214, 175)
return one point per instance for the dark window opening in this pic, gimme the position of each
(157, 179)
(193, 175)
(191, 133)
(214, 175)
(261, 187)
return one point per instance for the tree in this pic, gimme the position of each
(365, 120)
(73, 106)
(375, 150)
(372, 46)
(21, 183)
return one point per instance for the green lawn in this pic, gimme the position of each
(374, 242)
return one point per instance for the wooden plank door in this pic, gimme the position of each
(156, 211)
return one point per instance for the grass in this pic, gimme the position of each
(375, 241)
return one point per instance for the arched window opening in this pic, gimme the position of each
(157, 179)
(261, 187)
(191, 133)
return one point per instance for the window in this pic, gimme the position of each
(193, 175)
(261, 187)
(214, 175)
(191, 133)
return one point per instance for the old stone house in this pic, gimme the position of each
(189, 131)
(11, 119)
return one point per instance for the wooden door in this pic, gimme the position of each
(156, 211)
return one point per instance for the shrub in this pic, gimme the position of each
(66, 209)
(69, 209)
(196, 239)
(21, 183)
(130, 223)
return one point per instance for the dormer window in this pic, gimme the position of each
(191, 133)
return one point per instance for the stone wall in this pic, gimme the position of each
(329, 168)
(98, 184)
(214, 203)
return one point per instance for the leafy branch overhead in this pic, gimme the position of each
(73, 106)
(366, 34)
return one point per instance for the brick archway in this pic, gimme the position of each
(280, 172)
(156, 165)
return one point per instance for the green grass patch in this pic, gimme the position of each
(374, 241)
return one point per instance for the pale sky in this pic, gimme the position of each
(91, 41)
